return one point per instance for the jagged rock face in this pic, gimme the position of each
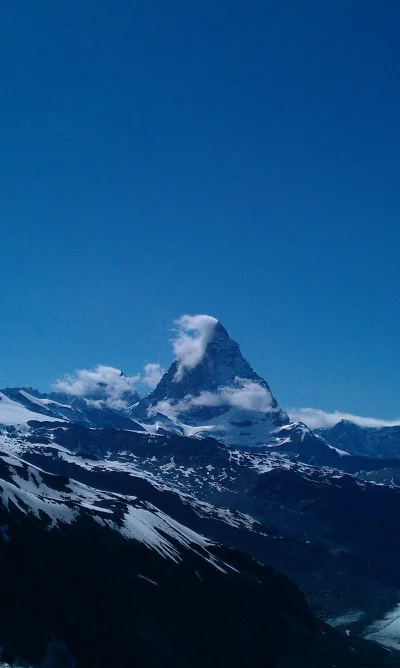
(222, 363)
(221, 396)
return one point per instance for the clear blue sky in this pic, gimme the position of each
(233, 158)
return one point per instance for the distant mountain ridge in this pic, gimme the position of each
(377, 442)
(59, 406)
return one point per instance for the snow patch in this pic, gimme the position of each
(387, 630)
(14, 414)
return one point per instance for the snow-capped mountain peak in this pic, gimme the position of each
(221, 364)
(212, 389)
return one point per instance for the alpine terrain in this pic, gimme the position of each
(197, 525)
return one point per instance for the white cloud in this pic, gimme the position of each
(102, 384)
(152, 375)
(246, 395)
(318, 419)
(166, 408)
(194, 332)
(205, 398)
(249, 396)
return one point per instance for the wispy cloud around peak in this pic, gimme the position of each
(193, 333)
(315, 418)
(152, 375)
(246, 395)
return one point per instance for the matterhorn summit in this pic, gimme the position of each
(210, 389)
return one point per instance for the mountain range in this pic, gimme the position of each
(381, 442)
(196, 507)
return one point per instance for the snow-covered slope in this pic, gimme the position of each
(15, 414)
(27, 489)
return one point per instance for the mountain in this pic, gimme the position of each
(169, 493)
(220, 396)
(221, 364)
(380, 442)
(113, 577)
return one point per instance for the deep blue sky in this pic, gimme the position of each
(232, 158)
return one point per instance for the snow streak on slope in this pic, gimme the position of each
(43, 403)
(153, 528)
(387, 630)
